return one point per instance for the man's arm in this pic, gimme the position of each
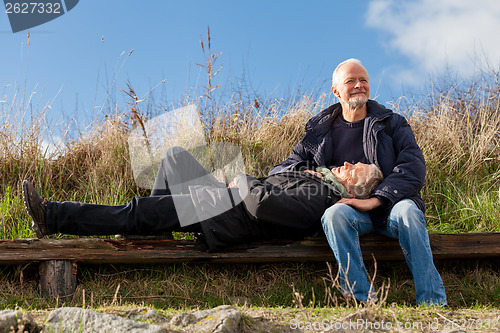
(363, 205)
(408, 172)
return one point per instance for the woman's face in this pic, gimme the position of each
(351, 174)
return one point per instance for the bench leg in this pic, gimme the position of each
(58, 278)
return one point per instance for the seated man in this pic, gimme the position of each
(357, 129)
(284, 205)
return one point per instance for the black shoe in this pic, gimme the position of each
(36, 206)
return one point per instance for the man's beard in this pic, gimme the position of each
(357, 103)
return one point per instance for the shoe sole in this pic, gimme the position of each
(27, 206)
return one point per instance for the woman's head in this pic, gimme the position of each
(359, 179)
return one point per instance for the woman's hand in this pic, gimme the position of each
(232, 184)
(314, 173)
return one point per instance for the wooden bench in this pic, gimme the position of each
(59, 258)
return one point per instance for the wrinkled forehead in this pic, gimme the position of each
(362, 167)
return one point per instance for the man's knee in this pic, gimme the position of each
(177, 156)
(336, 215)
(173, 152)
(407, 213)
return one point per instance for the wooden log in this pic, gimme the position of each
(58, 257)
(58, 278)
(100, 251)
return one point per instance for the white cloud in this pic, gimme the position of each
(52, 147)
(435, 34)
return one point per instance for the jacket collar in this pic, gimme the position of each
(376, 110)
(321, 123)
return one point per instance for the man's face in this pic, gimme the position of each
(352, 86)
(351, 174)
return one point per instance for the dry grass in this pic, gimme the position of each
(460, 138)
(299, 285)
(458, 132)
(265, 137)
(457, 125)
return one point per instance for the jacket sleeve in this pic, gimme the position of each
(407, 176)
(299, 159)
(291, 200)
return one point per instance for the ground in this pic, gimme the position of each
(391, 318)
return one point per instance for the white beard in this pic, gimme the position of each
(357, 103)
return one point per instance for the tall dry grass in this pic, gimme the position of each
(458, 130)
(91, 168)
(462, 137)
(267, 136)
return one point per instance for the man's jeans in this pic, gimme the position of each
(343, 225)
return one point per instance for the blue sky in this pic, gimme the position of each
(77, 62)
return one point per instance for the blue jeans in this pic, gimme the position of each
(343, 225)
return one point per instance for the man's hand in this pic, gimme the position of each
(363, 205)
(314, 173)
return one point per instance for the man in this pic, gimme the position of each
(185, 197)
(360, 130)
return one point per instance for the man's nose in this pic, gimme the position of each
(347, 164)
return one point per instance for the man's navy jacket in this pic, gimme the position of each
(388, 142)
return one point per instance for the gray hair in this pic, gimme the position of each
(336, 71)
(363, 190)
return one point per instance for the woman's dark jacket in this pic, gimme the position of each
(284, 205)
(388, 141)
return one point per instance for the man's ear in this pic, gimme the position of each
(349, 189)
(335, 92)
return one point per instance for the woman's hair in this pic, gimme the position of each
(362, 190)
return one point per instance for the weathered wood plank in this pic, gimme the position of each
(98, 250)
(57, 278)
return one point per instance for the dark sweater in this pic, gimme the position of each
(347, 142)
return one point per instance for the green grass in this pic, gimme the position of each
(469, 284)
(463, 209)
